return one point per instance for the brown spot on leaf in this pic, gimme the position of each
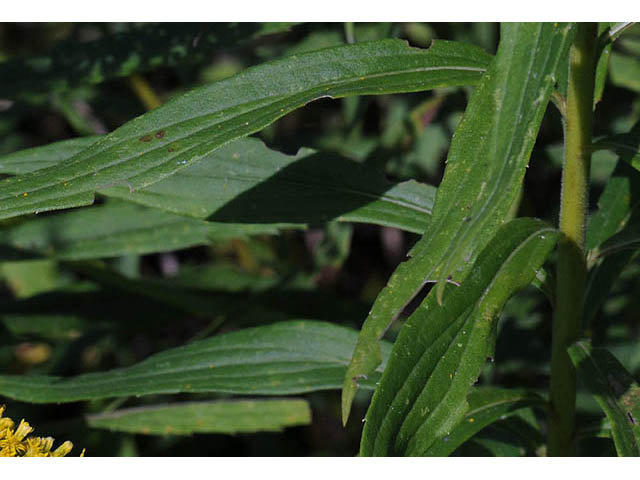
(146, 138)
(160, 134)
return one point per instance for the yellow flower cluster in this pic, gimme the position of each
(14, 442)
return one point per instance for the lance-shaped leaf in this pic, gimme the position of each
(486, 406)
(607, 33)
(246, 182)
(279, 359)
(615, 390)
(140, 49)
(230, 417)
(627, 145)
(602, 66)
(117, 228)
(259, 185)
(612, 225)
(625, 71)
(485, 168)
(186, 129)
(36, 158)
(619, 200)
(441, 349)
(626, 239)
(601, 280)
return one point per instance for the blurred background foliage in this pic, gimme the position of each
(58, 319)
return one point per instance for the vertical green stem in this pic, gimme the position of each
(349, 32)
(572, 270)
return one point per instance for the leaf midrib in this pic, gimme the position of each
(480, 299)
(264, 103)
(460, 239)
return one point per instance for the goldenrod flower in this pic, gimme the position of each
(14, 443)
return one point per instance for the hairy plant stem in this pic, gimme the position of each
(572, 269)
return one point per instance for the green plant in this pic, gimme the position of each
(186, 240)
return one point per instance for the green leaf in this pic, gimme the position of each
(604, 31)
(486, 406)
(485, 168)
(259, 185)
(615, 390)
(117, 228)
(469, 206)
(627, 145)
(279, 359)
(626, 239)
(309, 188)
(616, 204)
(188, 128)
(230, 417)
(617, 218)
(601, 280)
(624, 71)
(36, 158)
(143, 48)
(492, 443)
(616, 29)
(517, 435)
(441, 349)
(602, 66)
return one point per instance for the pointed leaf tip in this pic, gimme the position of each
(485, 169)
